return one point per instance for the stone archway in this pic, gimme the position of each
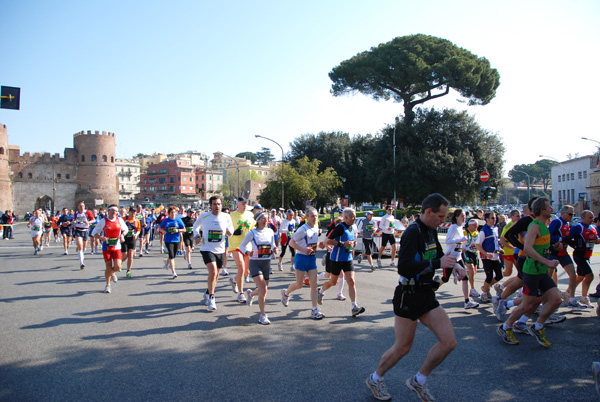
(44, 202)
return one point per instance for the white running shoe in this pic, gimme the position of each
(249, 297)
(471, 304)
(316, 314)
(474, 293)
(248, 279)
(341, 297)
(285, 299)
(206, 298)
(233, 285)
(392, 264)
(224, 272)
(263, 319)
(292, 269)
(114, 278)
(279, 266)
(107, 289)
(174, 275)
(241, 298)
(379, 264)
(212, 305)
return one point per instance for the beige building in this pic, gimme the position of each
(128, 174)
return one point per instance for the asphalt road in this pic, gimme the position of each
(63, 339)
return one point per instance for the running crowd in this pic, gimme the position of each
(530, 244)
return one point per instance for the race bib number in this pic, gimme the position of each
(36, 228)
(430, 251)
(112, 241)
(130, 233)
(590, 244)
(313, 247)
(189, 229)
(172, 229)
(369, 228)
(215, 236)
(264, 250)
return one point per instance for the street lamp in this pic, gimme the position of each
(553, 159)
(528, 183)
(265, 138)
(397, 120)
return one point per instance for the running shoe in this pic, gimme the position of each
(359, 258)
(233, 285)
(92, 252)
(565, 298)
(212, 305)
(107, 289)
(82, 266)
(263, 319)
(596, 373)
(539, 308)
(392, 264)
(248, 279)
(279, 266)
(206, 298)
(499, 289)
(128, 275)
(292, 269)
(584, 301)
(146, 251)
(520, 328)
(341, 297)
(555, 319)
(507, 335)
(474, 293)
(357, 310)
(165, 264)
(114, 278)
(372, 268)
(379, 264)
(285, 299)
(41, 248)
(224, 272)
(320, 295)
(189, 266)
(421, 390)
(575, 305)
(174, 275)
(538, 334)
(141, 254)
(306, 282)
(378, 389)
(471, 304)
(484, 298)
(35, 251)
(241, 298)
(249, 297)
(316, 314)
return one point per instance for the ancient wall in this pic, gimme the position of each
(6, 189)
(30, 192)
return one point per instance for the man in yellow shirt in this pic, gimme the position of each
(243, 222)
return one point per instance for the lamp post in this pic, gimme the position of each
(265, 138)
(528, 183)
(396, 120)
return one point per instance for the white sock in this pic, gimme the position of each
(523, 319)
(354, 304)
(375, 377)
(340, 284)
(81, 257)
(509, 304)
(421, 379)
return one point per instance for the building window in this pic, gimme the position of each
(585, 174)
(94, 159)
(58, 176)
(104, 158)
(67, 176)
(112, 159)
(83, 158)
(573, 177)
(573, 195)
(559, 178)
(171, 180)
(1, 150)
(29, 175)
(580, 175)
(184, 187)
(20, 175)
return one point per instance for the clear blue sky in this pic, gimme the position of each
(180, 75)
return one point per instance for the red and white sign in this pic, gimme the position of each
(484, 176)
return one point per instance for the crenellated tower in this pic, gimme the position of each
(96, 176)
(6, 189)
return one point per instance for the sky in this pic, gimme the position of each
(208, 76)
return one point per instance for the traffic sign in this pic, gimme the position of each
(484, 176)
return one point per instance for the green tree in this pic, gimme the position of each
(232, 187)
(251, 156)
(301, 184)
(264, 156)
(539, 173)
(443, 151)
(415, 69)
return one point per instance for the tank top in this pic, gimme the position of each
(541, 246)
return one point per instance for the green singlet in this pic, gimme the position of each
(542, 246)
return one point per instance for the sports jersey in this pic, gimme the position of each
(36, 225)
(541, 246)
(559, 229)
(171, 226)
(585, 239)
(112, 231)
(287, 228)
(306, 236)
(507, 250)
(188, 221)
(386, 225)
(242, 224)
(454, 239)
(488, 238)
(81, 220)
(133, 227)
(341, 233)
(367, 227)
(261, 241)
(212, 229)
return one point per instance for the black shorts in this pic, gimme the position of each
(519, 261)
(369, 246)
(583, 266)
(128, 244)
(188, 241)
(471, 258)
(65, 231)
(260, 267)
(387, 238)
(209, 257)
(338, 266)
(413, 305)
(537, 285)
(83, 233)
(172, 249)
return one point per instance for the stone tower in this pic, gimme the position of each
(96, 176)
(6, 190)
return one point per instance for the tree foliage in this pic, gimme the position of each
(415, 69)
(232, 187)
(264, 156)
(302, 183)
(251, 156)
(539, 172)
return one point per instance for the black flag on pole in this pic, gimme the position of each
(10, 98)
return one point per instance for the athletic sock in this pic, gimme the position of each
(523, 319)
(538, 326)
(505, 326)
(509, 303)
(375, 377)
(354, 304)
(340, 285)
(467, 300)
(81, 257)
(421, 379)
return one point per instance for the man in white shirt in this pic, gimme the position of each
(386, 225)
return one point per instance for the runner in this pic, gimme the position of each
(171, 227)
(559, 239)
(128, 247)
(366, 227)
(469, 255)
(455, 238)
(210, 230)
(65, 228)
(55, 227)
(487, 244)
(47, 229)
(110, 231)
(343, 241)
(262, 241)
(585, 236)
(386, 225)
(243, 221)
(538, 286)
(188, 235)
(509, 250)
(288, 225)
(414, 300)
(36, 224)
(305, 241)
(81, 226)
(93, 224)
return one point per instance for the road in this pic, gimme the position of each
(63, 339)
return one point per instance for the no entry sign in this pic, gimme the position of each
(484, 176)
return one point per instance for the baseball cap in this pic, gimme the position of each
(241, 199)
(369, 212)
(257, 206)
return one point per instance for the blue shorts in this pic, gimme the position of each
(305, 262)
(564, 260)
